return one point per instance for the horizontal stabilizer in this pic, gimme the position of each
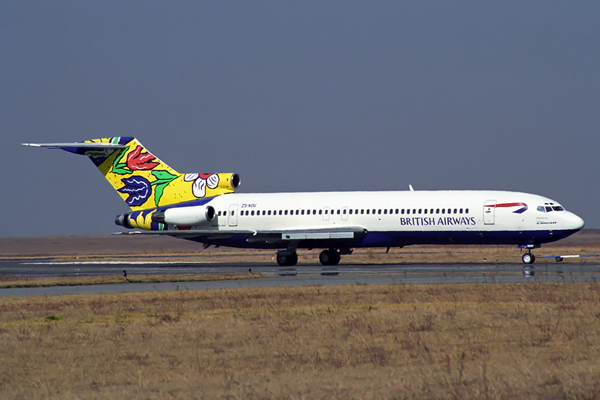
(77, 145)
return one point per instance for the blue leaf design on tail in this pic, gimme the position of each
(138, 188)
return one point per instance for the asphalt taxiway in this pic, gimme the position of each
(301, 275)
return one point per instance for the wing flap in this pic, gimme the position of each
(318, 235)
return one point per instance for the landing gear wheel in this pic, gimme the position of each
(287, 260)
(329, 257)
(325, 257)
(528, 258)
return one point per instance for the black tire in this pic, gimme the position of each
(325, 257)
(282, 260)
(528, 258)
(336, 258)
(329, 257)
(285, 260)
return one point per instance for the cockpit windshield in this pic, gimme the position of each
(549, 207)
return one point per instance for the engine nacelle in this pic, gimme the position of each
(185, 216)
(224, 181)
(231, 180)
(123, 220)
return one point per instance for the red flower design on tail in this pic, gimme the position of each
(138, 161)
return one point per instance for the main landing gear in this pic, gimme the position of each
(287, 260)
(330, 257)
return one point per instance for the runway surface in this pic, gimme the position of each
(301, 275)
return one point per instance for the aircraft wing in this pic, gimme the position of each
(347, 232)
(283, 235)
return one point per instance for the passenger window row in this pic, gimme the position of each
(344, 211)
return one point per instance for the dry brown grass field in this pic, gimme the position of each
(42, 281)
(536, 340)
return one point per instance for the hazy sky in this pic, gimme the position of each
(299, 96)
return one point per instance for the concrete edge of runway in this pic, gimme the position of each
(313, 275)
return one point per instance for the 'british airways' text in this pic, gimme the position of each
(432, 221)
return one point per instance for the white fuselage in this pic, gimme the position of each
(396, 218)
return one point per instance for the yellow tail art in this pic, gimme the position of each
(144, 181)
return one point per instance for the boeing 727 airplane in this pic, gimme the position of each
(204, 208)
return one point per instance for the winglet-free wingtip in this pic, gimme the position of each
(50, 145)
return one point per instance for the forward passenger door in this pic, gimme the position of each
(489, 212)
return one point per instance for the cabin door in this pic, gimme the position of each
(233, 215)
(345, 214)
(489, 212)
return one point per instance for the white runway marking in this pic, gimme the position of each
(116, 262)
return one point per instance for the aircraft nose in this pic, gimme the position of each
(574, 222)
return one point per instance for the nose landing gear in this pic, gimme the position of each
(528, 258)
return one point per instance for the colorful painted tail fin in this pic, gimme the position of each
(140, 178)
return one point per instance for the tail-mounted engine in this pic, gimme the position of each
(185, 216)
(232, 180)
(180, 216)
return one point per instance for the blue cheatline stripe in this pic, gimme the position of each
(406, 238)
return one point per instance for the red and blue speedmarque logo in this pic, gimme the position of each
(522, 209)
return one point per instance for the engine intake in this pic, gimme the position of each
(235, 180)
(227, 181)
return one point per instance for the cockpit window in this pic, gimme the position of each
(548, 207)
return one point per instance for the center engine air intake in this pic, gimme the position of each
(226, 182)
